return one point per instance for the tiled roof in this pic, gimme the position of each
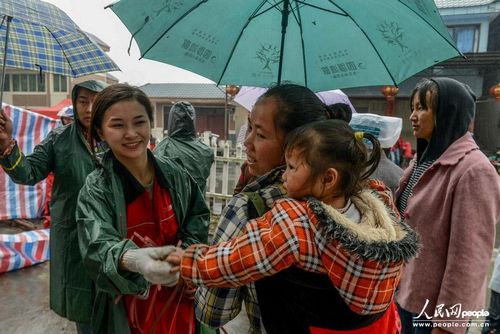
(183, 90)
(461, 3)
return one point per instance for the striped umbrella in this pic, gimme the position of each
(35, 35)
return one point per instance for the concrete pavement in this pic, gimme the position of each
(24, 303)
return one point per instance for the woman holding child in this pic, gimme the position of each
(332, 253)
(276, 113)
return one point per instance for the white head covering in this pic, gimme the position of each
(386, 129)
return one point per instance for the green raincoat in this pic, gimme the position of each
(183, 144)
(66, 153)
(102, 228)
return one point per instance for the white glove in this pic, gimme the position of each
(149, 262)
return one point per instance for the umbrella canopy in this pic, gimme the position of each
(321, 44)
(35, 35)
(247, 96)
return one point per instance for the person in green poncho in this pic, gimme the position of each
(66, 153)
(183, 144)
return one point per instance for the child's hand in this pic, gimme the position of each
(175, 258)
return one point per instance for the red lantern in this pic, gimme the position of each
(390, 92)
(495, 92)
(232, 90)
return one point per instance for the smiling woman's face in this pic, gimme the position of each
(264, 142)
(126, 129)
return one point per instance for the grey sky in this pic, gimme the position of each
(91, 16)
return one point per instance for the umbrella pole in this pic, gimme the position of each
(2, 77)
(284, 24)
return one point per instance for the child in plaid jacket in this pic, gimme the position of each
(327, 261)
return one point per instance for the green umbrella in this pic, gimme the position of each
(321, 44)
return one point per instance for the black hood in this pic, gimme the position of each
(455, 111)
(181, 121)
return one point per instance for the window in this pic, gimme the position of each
(465, 37)
(28, 83)
(32, 83)
(6, 83)
(60, 83)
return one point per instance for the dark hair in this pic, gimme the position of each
(110, 96)
(423, 86)
(333, 143)
(297, 105)
(340, 111)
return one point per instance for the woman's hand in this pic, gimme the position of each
(150, 263)
(5, 131)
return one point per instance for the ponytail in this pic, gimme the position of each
(374, 158)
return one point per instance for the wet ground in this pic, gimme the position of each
(24, 303)
(24, 297)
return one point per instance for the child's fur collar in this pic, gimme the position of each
(377, 237)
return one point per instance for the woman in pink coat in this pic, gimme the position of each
(450, 195)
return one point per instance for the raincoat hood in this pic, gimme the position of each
(92, 85)
(181, 121)
(455, 111)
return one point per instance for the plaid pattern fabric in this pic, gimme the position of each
(289, 235)
(37, 12)
(384, 194)
(42, 37)
(217, 306)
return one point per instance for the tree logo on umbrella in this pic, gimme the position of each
(268, 54)
(392, 34)
(170, 6)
